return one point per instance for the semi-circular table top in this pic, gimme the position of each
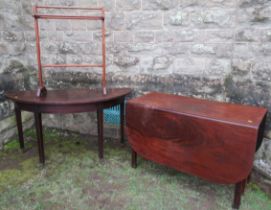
(67, 97)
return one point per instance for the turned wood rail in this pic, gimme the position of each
(212, 140)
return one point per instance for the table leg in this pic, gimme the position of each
(100, 119)
(239, 189)
(19, 126)
(38, 124)
(134, 159)
(122, 123)
(249, 178)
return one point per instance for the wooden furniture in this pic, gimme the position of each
(212, 140)
(38, 13)
(67, 101)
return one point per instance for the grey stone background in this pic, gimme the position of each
(213, 49)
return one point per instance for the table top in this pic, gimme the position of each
(234, 113)
(67, 97)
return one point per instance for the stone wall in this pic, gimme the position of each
(213, 49)
(15, 73)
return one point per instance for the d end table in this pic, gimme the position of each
(67, 101)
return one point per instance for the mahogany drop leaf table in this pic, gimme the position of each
(212, 140)
(67, 101)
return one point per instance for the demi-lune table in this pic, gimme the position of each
(67, 101)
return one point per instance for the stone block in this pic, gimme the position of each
(107, 4)
(17, 49)
(202, 49)
(63, 25)
(161, 62)
(217, 68)
(213, 88)
(6, 109)
(242, 67)
(78, 36)
(80, 25)
(90, 48)
(248, 3)
(10, 6)
(75, 59)
(185, 35)
(26, 7)
(144, 36)
(176, 48)
(261, 71)
(12, 36)
(242, 51)
(248, 35)
(95, 25)
(128, 5)
(67, 48)
(208, 3)
(145, 64)
(190, 66)
(117, 21)
(3, 48)
(30, 47)
(144, 21)
(159, 4)
(213, 18)
(98, 36)
(49, 47)
(123, 36)
(265, 49)
(259, 14)
(140, 48)
(223, 50)
(125, 60)
(217, 36)
(54, 36)
(176, 18)
(11, 22)
(49, 25)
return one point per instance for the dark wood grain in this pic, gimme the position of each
(212, 140)
(18, 115)
(66, 101)
(38, 124)
(100, 119)
(67, 97)
(122, 123)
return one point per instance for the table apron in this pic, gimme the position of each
(68, 108)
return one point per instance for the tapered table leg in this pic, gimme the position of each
(122, 123)
(19, 126)
(38, 124)
(239, 189)
(249, 178)
(134, 159)
(100, 119)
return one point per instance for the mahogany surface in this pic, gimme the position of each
(67, 97)
(215, 141)
(66, 101)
